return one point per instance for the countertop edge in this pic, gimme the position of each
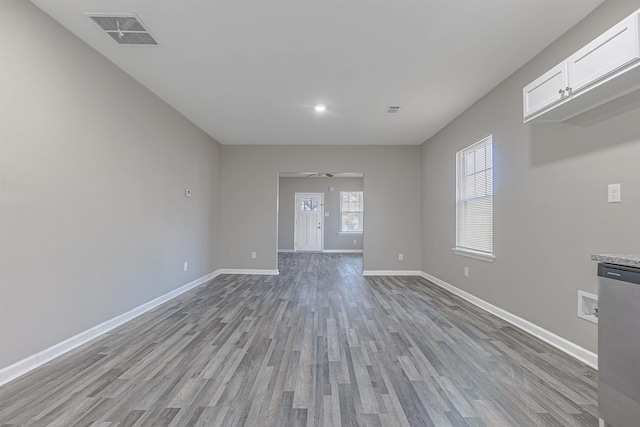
(628, 260)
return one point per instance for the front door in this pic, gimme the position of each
(308, 232)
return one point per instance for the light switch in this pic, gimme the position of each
(614, 193)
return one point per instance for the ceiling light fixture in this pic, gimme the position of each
(320, 108)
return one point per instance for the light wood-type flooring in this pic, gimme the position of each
(318, 345)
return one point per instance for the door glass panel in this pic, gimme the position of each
(309, 205)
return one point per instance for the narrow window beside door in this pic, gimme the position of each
(351, 211)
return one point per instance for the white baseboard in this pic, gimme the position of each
(391, 273)
(29, 363)
(563, 344)
(248, 271)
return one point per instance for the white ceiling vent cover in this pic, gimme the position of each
(391, 110)
(124, 28)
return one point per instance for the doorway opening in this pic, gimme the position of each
(320, 212)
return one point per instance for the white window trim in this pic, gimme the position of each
(348, 233)
(484, 256)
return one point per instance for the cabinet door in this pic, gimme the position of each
(614, 49)
(546, 90)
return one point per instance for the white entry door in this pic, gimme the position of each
(309, 227)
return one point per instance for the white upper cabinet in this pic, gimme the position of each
(612, 50)
(603, 70)
(546, 90)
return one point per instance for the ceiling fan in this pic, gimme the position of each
(320, 175)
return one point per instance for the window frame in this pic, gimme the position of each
(361, 211)
(460, 170)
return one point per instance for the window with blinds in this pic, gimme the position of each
(351, 211)
(474, 201)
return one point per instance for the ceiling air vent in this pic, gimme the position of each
(391, 110)
(125, 28)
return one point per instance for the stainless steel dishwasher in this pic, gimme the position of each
(619, 345)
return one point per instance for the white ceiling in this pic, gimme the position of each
(250, 71)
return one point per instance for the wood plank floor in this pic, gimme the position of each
(319, 345)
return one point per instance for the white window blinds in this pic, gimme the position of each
(474, 202)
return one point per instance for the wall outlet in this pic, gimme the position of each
(187, 192)
(253, 255)
(466, 272)
(354, 241)
(186, 266)
(614, 193)
(400, 257)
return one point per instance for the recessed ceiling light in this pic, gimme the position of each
(320, 108)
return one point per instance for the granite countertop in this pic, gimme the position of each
(629, 260)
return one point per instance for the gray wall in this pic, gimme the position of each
(392, 202)
(550, 201)
(93, 218)
(332, 240)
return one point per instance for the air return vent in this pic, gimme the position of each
(124, 28)
(391, 110)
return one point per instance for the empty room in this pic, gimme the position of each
(319, 213)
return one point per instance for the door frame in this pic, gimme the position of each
(295, 219)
